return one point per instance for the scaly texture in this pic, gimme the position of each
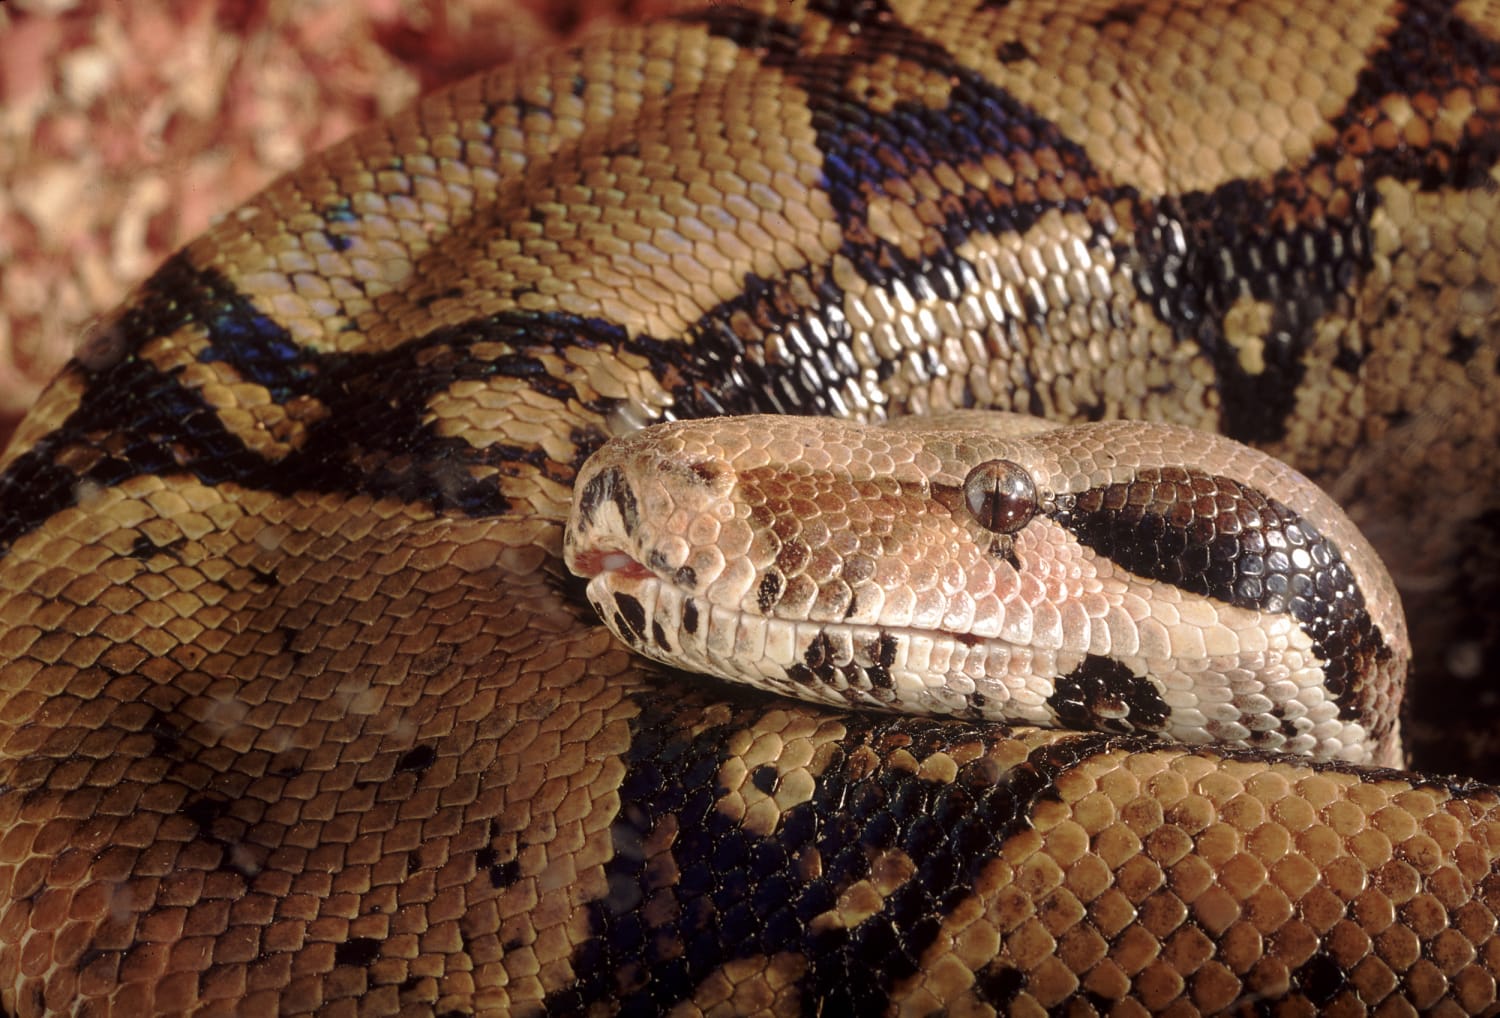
(1146, 578)
(299, 710)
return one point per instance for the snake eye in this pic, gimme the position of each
(1000, 495)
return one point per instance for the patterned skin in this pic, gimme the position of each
(1131, 578)
(301, 712)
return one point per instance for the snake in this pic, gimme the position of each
(302, 712)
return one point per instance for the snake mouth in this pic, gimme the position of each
(843, 664)
(614, 570)
(597, 561)
(900, 668)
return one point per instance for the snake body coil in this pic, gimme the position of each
(301, 712)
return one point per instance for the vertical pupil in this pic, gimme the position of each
(1000, 495)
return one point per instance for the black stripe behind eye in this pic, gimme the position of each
(1206, 534)
(1221, 539)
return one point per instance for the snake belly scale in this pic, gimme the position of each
(300, 711)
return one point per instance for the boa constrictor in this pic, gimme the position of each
(300, 712)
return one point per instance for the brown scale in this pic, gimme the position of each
(282, 749)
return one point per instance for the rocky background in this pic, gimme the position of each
(125, 127)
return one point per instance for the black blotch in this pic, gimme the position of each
(502, 874)
(1003, 547)
(771, 586)
(999, 986)
(1461, 348)
(706, 471)
(356, 951)
(166, 738)
(882, 651)
(632, 614)
(1197, 254)
(765, 778)
(1124, 14)
(285, 765)
(288, 637)
(685, 577)
(819, 655)
(418, 758)
(1102, 694)
(203, 811)
(1349, 360)
(1012, 51)
(1321, 978)
(817, 667)
(142, 547)
(853, 12)
(427, 300)
(89, 956)
(216, 827)
(339, 212)
(768, 37)
(689, 616)
(264, 577)
(659, 636)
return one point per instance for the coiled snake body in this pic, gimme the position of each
(300, 711)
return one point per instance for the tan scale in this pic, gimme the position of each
(1214, 99)
(299, 749)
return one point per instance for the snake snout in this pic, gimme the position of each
(602, 528)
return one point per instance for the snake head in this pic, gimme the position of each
(1132, 577)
